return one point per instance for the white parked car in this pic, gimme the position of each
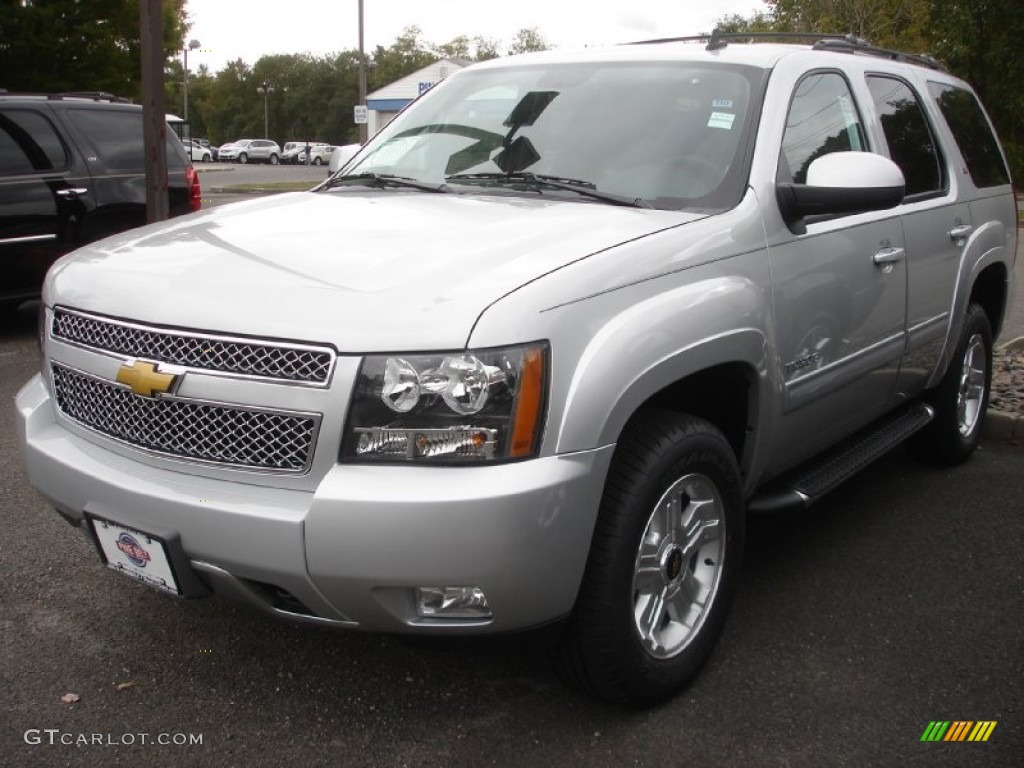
(342, 155)
(320, 154)
(197, 152)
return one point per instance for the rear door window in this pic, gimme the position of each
(973, 134)
(116, 136)
(911, 143)
(29, 143)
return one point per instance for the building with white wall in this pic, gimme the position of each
(383, 104)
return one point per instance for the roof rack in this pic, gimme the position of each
(94, 95)
(873, 50)
(847, 43)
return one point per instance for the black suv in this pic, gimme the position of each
(72, 170)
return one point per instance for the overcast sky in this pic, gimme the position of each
(232, 29)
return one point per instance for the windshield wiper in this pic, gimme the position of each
(539, 180)
(382, 180)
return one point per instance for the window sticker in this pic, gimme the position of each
(722, 104)
(721, 120)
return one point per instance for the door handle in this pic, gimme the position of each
(888, 256)
(959, 233)
(71, 193)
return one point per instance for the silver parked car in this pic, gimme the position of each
(251, 151)
(533, 354)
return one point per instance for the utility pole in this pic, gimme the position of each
(362, 75)
(154, 112)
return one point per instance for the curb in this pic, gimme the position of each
(1000, 425)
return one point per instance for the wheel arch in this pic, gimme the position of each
(990, 292)
(720, 379)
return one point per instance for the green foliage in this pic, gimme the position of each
(66, 45)
(527, 40)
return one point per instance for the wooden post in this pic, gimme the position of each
(154, 112)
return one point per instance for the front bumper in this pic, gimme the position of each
(352, 551)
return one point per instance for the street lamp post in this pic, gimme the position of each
(265, 90)
(192, 45)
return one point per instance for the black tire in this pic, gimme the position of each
(243, 158)
(273, 159)
(662, 455)
(961, 398)
(317, 161)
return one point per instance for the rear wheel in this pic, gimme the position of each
(961, 398)
(663, 562)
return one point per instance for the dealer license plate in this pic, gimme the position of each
(136, 554)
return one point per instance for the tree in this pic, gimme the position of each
(66, 45)
(526, 40)
(980, 41)
(403, 57)
(888, 23)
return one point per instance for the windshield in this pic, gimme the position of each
(670, 134)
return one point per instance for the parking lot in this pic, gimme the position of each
(896, 602)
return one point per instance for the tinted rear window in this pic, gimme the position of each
(973, 134)
(116, 136)
(29, 143)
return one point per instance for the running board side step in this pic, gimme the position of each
(805, 485)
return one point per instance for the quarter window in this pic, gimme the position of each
(29, 143)
(973, 134)
(911, 143)
(822, 119)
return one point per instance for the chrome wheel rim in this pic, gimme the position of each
(972, 385)
(678, 565)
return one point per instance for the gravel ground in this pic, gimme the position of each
(1008, 379)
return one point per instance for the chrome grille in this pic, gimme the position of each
(210, 432)
(194, 349)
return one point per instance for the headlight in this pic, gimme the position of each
(483, 405)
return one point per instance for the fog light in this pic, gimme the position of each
(452, 602)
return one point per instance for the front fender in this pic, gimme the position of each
(656, 343)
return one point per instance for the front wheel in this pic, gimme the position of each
(317, 161)
(961, 398)
(273, 159)
(243, 158)
(663, 562)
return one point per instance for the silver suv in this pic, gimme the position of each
(252, 151)
(542, 346)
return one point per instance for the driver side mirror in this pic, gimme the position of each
(840, 183)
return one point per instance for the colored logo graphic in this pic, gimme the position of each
(958, 730)
(132, 550)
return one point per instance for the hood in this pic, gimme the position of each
(363, 270)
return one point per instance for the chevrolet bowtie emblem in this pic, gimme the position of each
(144, 379)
